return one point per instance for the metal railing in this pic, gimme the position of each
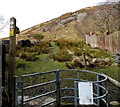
(56, 88)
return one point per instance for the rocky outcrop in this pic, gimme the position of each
(104, 42)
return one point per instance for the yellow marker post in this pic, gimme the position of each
(11, 73)
(11, 32)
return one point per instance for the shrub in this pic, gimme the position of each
(31, 57)
(20, 63)
(42, 48)
(78, 52)
(62, 56)
(28, 56)
(96, 53)
(38, 37)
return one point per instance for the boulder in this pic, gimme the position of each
(79, 62)
(24, 43)
(96, 60)
(115, 103)
(107, 60)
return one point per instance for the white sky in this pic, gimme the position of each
(32, 12)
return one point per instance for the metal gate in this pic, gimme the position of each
(57, 88)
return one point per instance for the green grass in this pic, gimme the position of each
(39, 66)
(47, 64)
(42, 56)
(113, 71)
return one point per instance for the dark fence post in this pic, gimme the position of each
(3, 65)
(11, 72)
(16, 91)
(76, 93)
(0, 72)
(57, 89)
(4, 96)
(22, 92)
(99, 92)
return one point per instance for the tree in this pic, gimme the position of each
(4, 26)
(38, 37)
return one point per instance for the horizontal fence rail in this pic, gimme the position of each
(56, 88)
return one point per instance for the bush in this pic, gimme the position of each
(42, 48)
(20, 63)
(28, 56)
(39, 48)
(62, 56)
(96, 53)
(38, 37)
(78, 52)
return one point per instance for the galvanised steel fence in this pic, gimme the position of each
(58, 88)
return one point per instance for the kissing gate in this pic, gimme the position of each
(61, 87)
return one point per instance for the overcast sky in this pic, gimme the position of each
(31, 12)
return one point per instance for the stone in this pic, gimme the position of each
(81, 16)
(71, 53)
(48, 100)
(19, 98)
(107, 60)
(96, 60)
(115, 103)
(24, 43)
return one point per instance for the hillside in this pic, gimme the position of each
(99, 20)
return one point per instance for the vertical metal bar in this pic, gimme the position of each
(57, 88)
(16, 91)
(106, 98)
(75, 93)
(78, 75)
(98, 92)
(22, 92)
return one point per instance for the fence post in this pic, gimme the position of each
(75, 94)
(11, 72)
(57, 89)
(0, 72)
(22, 92)
(99, 92)
(3, 65)
(4, 103)
(16, 91)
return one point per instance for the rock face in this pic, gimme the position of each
(92, 40)
(104, 42)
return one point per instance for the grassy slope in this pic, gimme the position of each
(49, 65)
(39, 66)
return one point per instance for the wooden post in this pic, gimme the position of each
(119, 28)
(3, 65)
(0, 73)
(11, 72)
